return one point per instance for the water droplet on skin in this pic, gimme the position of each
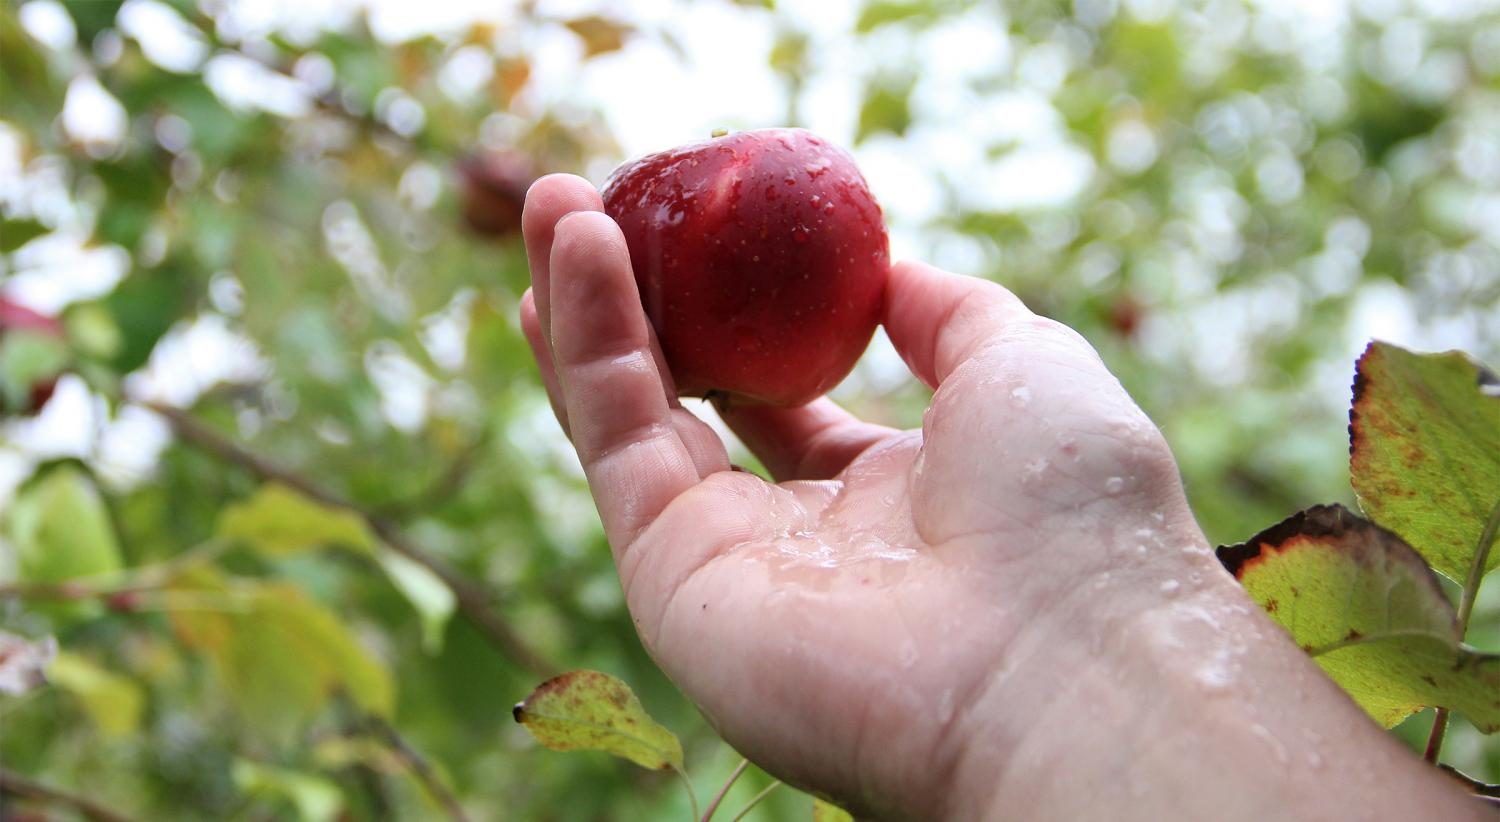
(1114, 485)
(1278, 750)
(1169, 587)
(1020, 396)
(1034, 469)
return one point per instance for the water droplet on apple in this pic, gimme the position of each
(828, 207)
(1020, 396)
(1169, 587)
(817, 168)
(1114, 485)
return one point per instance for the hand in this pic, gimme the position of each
(914, 622)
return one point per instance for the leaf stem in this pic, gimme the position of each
(755, 800)
(1465, 610)
(692, 794)
(15, 785)
(418, 766)
(713, 804)
(473, 601)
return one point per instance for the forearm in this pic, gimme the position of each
(1195, 708)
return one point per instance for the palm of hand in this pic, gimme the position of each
(819, 623)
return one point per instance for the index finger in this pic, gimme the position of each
(616, 402)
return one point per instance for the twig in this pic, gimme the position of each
(21, 787)
(442, 488)
(714, 803)
(419, 767)
(1465, 610)
(473, 601)
(755, 800)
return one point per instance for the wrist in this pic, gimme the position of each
(1193, 707)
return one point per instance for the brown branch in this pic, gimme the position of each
(473, 601)
(15, 785)
(419, 767)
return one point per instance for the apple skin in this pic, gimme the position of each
(17, 317)
(761, 259)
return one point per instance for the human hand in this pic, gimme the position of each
(912, 622)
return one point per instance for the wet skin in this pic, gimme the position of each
(1009, 613)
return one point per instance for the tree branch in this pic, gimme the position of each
(473, 601)
(419, 767)
(15, 785)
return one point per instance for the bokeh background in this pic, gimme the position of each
(298, 471)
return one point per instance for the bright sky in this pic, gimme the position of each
(651, 101)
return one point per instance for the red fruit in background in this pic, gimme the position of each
(494, 191)
(1125, 315)
(17, 317)
(761, 259)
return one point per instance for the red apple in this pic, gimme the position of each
(761, 259)
(494, 191)
(15, 317)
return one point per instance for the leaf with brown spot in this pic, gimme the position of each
(1370, 612)
(1424, 451)
(593, 711)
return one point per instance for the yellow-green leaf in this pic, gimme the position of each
(593, 711)
(113, 702)
(829, 812)
(1370, 612)
(280, 520)
(315, 798)
(433, 600)
(1424, 451)
(62, 530)
(278, 654)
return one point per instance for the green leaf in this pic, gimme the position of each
(315, 798)
(17, 232)
(829, 812)
(145, 305)
(593, 711)
(884, 12)
(278, 654)
(433, 601)
(62, 530)
(1370, 612)
(278, 520)
(27, 358)
(113, 702)
(1424, 450)
(887, 108)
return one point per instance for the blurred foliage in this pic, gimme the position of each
(286, 207)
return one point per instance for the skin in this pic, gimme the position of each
(1009, 613)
